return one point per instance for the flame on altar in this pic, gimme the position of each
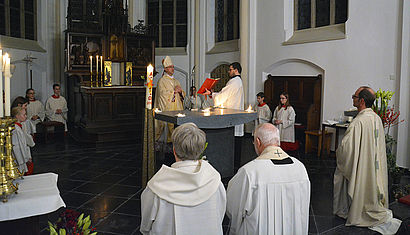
(180, 115)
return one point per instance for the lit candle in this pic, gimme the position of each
(91, 64)
(96, 72)
(249, 110)
(102, 70)
(7, 76)
(1, 84)
(148, 93)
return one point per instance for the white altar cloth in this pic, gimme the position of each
(37, 195)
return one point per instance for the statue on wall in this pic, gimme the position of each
(113, 46)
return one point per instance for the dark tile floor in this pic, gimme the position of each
(105, 183)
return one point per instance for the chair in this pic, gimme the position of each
(51, 127)
(314, 141)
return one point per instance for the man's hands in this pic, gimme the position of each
(178, 89)
(34, 117)
(277, 122)
(59, 111)
(207, 92)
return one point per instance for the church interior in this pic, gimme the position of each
(98, 51)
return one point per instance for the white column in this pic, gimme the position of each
(196, 43)
(244, 46)
(403, 137)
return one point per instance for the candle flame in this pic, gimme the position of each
(222, 106)
(180, 115)
(207, 110)
(249, 109)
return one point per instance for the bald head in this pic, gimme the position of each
(268, 134)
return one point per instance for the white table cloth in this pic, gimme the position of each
(37, 195)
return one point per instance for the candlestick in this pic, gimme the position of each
(148, 94)
(7, 76)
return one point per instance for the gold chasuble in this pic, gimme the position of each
(360, 179)
(167, 100)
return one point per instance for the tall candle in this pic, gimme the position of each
(102, 70)
(7, 76)
(148, 93)
(96, 57)
(91, 64)
(1, 84)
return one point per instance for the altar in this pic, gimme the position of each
(218, 125)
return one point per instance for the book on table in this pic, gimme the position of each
(208, 84)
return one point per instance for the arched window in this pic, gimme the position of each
(169, 18)
(18, 18)
(221, 72)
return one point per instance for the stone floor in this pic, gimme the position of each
(105, 183)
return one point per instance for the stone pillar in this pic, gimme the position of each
(197, 50)
(244, 45)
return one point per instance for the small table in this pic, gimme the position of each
(337, 126)
(37, 195)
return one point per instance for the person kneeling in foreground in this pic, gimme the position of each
(271, 194)
(188, 197)
(22, 142)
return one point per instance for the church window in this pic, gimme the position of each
(221, 72)
(319, 13)
(18, 18)
(226, 20)
(169, 19)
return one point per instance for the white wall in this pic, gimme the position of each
(368, 55)
(47, 68)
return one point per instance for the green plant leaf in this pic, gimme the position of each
(53, 231)
(86, 225)
(62, 231)
(94, 233)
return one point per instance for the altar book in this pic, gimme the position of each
(208, 84)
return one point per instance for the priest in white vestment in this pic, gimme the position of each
(21, 140)
(56, 107)
(284, 118)
(360, 180)
(169, 96)
(187, 198)
(271, 194)
(35, 110)
(231, 96)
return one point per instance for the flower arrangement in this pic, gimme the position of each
(390, 118)
(71, 222)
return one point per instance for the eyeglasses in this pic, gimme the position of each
(283, 98)
(355, 96)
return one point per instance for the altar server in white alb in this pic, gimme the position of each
(360, 181)
(21, 140)
(231, 96)
(263, 110)
(56, 107)
(271, 194)
(35, 110)
(187, 198)
(284, 118)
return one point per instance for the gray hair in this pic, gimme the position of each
(268, 134)
(189, 141)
